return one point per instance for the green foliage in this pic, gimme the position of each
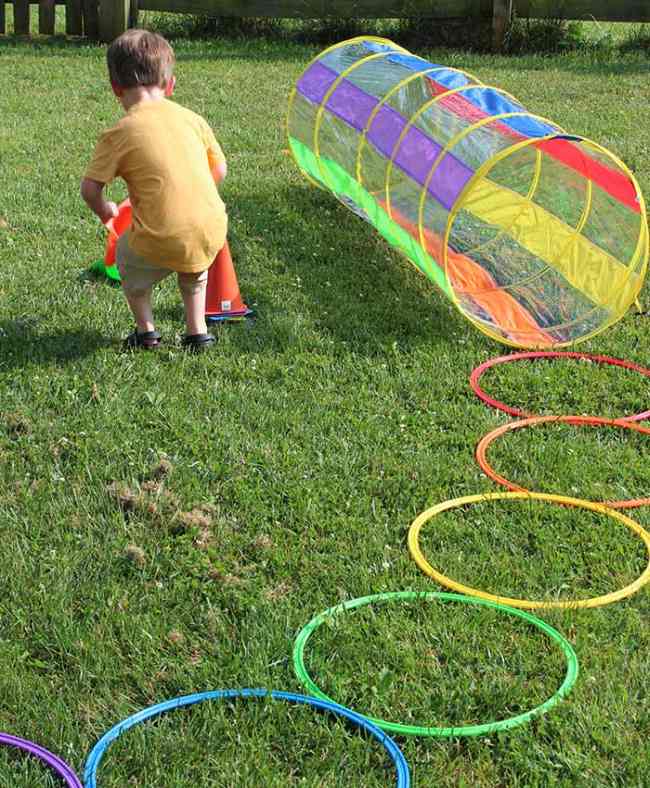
(332, 29)
(467, 33)
(553, 36)
(409, 31)
(474, 34)
(170, 522)
(637, 39)
(315, 31)
(543, 36)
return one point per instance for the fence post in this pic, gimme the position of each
(73, 18)
(501, 16)
(133, 14)
(21, 17)
(46, 17)
(113, 18)
(90, 12)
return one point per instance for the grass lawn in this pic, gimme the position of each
(169, 523)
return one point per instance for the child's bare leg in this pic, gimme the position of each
(193, 289)
(140, 303)
(138, 279)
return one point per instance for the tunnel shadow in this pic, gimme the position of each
(359, 290)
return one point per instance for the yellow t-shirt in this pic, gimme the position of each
(164, 153)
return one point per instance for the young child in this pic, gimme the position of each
(171, 163)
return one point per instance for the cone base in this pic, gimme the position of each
(109, 271)
(223, 317)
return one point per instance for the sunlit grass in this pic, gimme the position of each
(299, 451)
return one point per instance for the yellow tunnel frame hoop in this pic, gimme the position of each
(452, 144)
(395, 89)
(482, 172)
(528, 200)
(420, 111)
(320, 114)
(294, 91)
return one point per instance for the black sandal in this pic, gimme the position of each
(197, 343)
(145, 340)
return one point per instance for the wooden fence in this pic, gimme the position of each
(95, 19)
(105, 19)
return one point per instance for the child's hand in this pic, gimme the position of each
(110, 211)
(219, 170)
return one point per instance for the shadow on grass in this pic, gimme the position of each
(627, 59)
(58, 45)
(21, 344)
(359, 291)
(185, 49)
(353, 288)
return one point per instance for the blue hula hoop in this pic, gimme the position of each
(98, 751)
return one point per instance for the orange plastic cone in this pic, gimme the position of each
(223, 300)
(116, 226)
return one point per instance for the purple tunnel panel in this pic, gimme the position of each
(316, 81)
(351, 104)
(386, 127)
(450, 178)
(417, 152)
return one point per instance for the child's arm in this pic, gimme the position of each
(91, 191)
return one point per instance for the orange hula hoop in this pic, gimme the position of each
(592, 421)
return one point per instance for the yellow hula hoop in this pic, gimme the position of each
(597, 601)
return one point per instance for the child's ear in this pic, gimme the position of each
(169, 87)
(117, 89)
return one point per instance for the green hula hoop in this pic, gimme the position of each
(463, 730)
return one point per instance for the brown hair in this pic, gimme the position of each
(140, 57)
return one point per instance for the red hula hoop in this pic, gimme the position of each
(495, 403)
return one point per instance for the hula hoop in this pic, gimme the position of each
(461, 730)
(98, 751)
(495, 403)
(56, 764)
(597, 601)
(593, 421)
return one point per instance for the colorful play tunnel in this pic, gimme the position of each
(538, 236)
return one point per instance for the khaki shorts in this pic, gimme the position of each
(139, 275)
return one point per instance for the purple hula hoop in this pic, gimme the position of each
(58, 766)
